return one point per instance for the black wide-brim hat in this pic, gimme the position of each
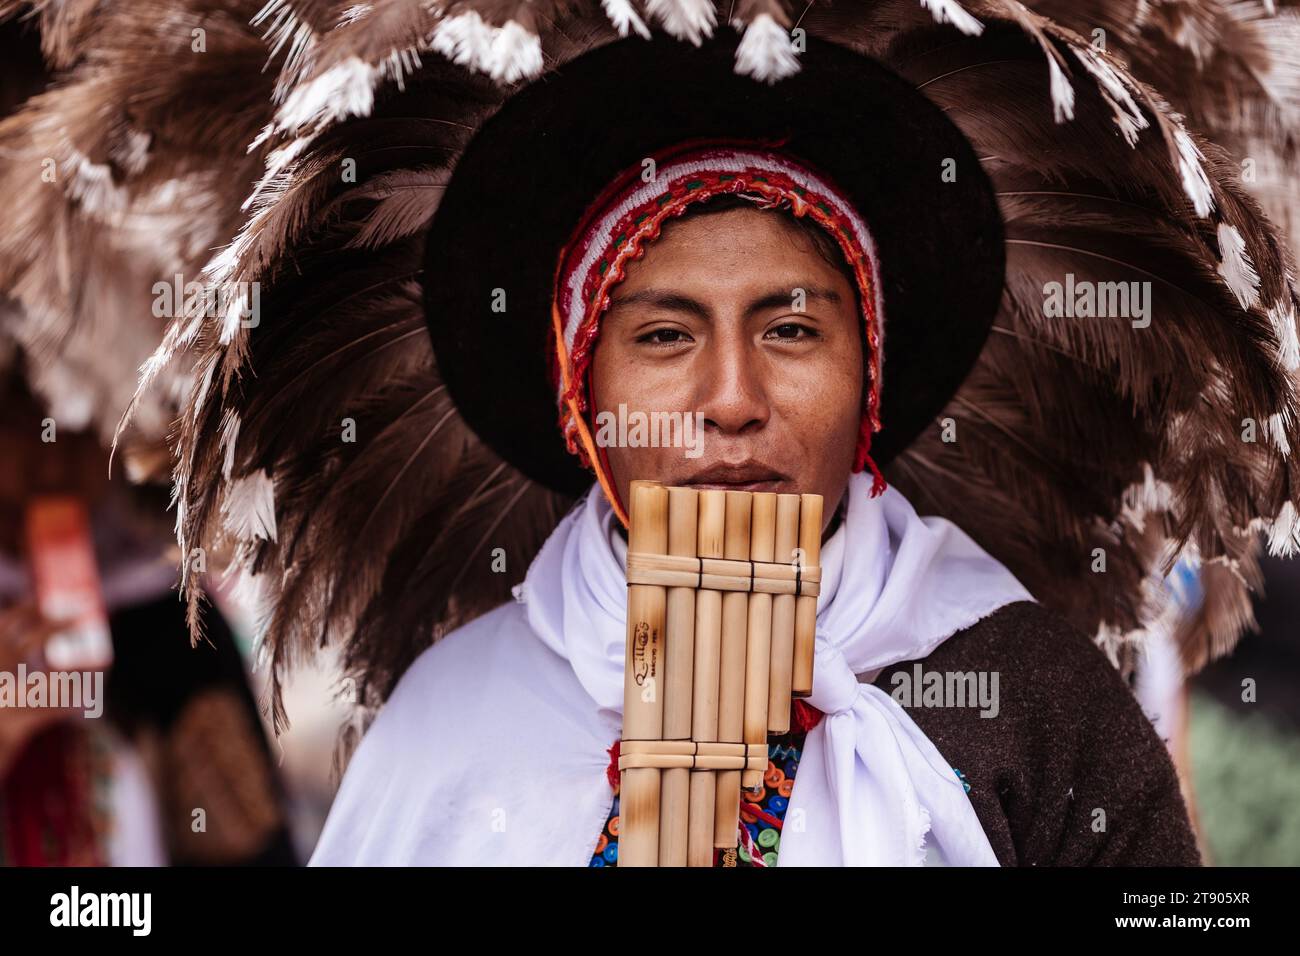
(529, 174)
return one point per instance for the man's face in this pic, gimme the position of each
(710, 321)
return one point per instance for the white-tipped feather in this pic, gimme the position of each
(766, 51)
(1146, 497)
(1128, 115)
(507, 54)
(92, 185)
(248, 508)
(1114, 642)
(1061, 88)
(1282, 315)
(223, 264)
(276, 162)
(201, 389)
(399, 64)
(516, 53)
(131, 154)
(229, 437)
(233, 320)
(1128, 128)
(1062, 92)
(344, 90)
(284, 28)
(1284, 532)
(950, 11)
(180, 335)
(465, 39)
(355, 13)
(691, 20)
(1236, 269)
(1276, 426)
(624, 17)
(1192, 172)
(178, 501)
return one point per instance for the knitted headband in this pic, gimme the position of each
(630, 213)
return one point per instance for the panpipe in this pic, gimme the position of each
(721, 620)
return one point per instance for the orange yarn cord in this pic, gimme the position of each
(606, 485)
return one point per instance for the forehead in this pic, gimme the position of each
(737, 249)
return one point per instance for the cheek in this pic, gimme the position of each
(617, 379)
(823, 399)
(618, 376)
(614, 379)
(826, 427)
(610, 376)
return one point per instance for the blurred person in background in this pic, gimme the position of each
(177, 770)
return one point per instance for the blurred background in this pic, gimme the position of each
(1243, 748)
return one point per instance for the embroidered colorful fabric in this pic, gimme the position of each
(761, 820)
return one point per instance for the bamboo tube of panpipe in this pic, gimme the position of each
(731, 673)
(805, 613)
(758, 640)
(679, 664)
(780, 672)
(643, 709)
(704, 707)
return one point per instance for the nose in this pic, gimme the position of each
(733, 396)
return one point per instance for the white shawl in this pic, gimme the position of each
(493, 747)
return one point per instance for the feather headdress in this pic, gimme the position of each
(1087, 455)
(120, 183)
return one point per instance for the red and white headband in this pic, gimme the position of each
(631, 212)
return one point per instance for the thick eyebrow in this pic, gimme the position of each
(677, 302)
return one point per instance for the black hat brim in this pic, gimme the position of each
(528, 175)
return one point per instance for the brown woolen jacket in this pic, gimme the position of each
(1070, 772)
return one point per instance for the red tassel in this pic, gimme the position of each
(804, 716)
(862, 459)
(611, 772)
(877, 481)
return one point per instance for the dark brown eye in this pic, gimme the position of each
(663, 337)
(790, 331)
